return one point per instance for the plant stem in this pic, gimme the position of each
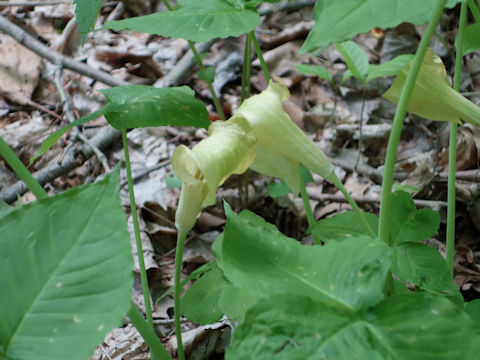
(360, 139)
(169, 7)
(263, 64)
(136, 228)
(156, 348)
(181, 236)
(385, 203)
(452, 151)
(308, 208)
(473, 9)
(246, 69)
(21, 170)
(199, 61)
(336, 181)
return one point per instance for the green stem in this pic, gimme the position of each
(452, 153)
(474, 10)
(169, 7)
(136, 228)
(263, 64)
(247, 67)
(308, 208)
(156, 348)
(21, 170)
(385, 203)
(336, 181)
(199, 61)
(360, 139)
(181, 236)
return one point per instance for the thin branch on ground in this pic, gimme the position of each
(136, 177)
(180, 72)
(33, 3)
(55, 57)
(373, 200)
(104, 138)
(67, 108)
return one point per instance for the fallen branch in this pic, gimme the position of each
(54, 57)
(181, 70)
(74, 158)
(435, 205)
(33, 3)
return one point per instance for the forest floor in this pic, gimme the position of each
(351, 125)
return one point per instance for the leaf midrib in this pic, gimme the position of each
(54, 270)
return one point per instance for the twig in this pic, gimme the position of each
(168, 321)
(74, 158)
(44, 109)
(181, 70)
(34, 3)
(466, 175)
(433, 204)
(67, 108)
(54, 57)
(288, 6)
(163, 163)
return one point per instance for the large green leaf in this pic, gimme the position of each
(342, 226)
(410, 326)
(141, 106)
(86, 12)
(197, 21)
(257, 257)
(424, 267)
(342, 20)
(66, 268)
(355, 57)
(407, 223)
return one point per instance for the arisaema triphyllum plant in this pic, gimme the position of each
(260, 136)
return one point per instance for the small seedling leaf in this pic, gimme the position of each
(389, 68)
(278, 189)
(207, 74)
(172, 181)
(355, 58)
(320, 71)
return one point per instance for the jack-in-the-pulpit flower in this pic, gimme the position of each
(229, 149)
(260, 135)
(281, 144)
(432, 97)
